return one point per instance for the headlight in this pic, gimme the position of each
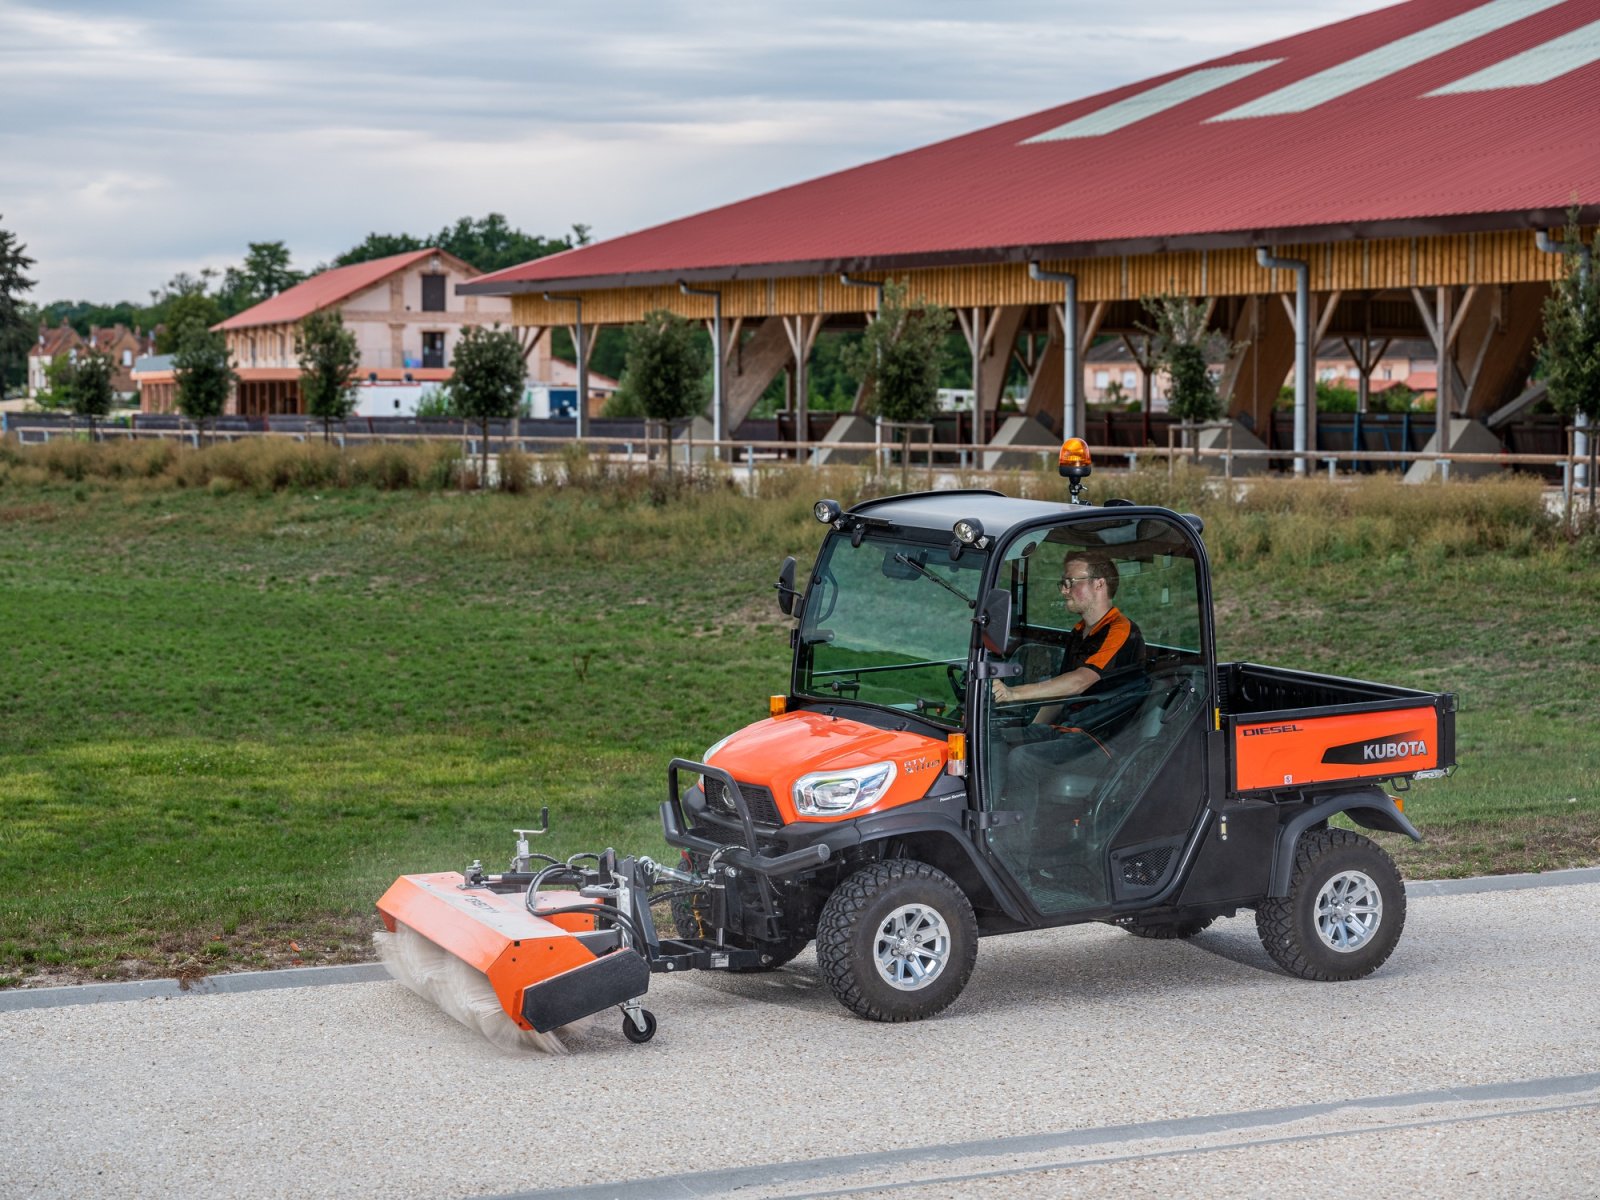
(706, 757)
(828, 793)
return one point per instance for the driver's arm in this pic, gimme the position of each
(1060, 687)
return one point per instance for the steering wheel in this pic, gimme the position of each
(957, 675)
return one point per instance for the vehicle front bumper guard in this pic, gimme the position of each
(747, 857)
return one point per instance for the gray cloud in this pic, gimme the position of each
(139, 143)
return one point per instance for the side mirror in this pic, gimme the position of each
(994, 623)
(785, 585)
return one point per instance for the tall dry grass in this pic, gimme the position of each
(607, 508)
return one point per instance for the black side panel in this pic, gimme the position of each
(1235, 859)
(608, 980)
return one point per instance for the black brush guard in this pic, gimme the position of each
(749, 857)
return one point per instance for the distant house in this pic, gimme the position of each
(122, 345)
(1113, 375)
(405, 315)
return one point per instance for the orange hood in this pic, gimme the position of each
(776, 752)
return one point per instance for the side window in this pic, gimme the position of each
(1157, 584)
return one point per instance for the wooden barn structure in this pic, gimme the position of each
(1393, 175)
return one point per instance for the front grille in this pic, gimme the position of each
(763, 808)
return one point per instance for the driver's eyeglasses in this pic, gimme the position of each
(1068, 581)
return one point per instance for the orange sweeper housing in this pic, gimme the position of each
(960, 753)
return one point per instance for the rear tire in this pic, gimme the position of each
(897, 941)
(1344, 912)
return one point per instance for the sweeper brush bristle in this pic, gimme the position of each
(443, 980)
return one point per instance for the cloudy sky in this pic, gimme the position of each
(138, 140)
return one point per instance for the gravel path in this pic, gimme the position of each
(1079, 1060)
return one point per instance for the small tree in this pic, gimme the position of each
(1186, 347)
(16, 331)
(488, 380)
(89, 389)
(1569, 349)
(665, 375)
(328, 361)
(899, 358)
(203, 374)
(59, 375)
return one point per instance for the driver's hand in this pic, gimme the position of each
(1002, 693)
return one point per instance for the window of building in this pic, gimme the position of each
(433, 293)
(127, 358)
(433, 348)
(1130, 379)
(1102, 380)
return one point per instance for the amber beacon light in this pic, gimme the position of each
(1075, 465)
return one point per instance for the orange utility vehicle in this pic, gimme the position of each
(897, 805)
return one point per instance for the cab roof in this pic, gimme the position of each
(938, 511)
(1131, 528)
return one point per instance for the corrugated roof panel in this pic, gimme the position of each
(1383, 160)
(1367, 68)
(1158, 99)
(1539, 65)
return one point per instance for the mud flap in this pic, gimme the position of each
(609, 980)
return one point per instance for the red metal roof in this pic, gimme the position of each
(1384, 159)
(319, 291)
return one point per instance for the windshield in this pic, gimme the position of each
(889, 623)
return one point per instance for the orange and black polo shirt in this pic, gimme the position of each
(1113, 645)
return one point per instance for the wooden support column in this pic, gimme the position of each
(753, 365)
(1263, 339)
(802, 334)
(1047, 392)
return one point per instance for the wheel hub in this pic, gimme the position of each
(1349, 909)
(912, 947)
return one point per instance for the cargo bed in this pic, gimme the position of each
(1307, 732)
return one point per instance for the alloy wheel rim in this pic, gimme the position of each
(1349, 910)
(911, 947)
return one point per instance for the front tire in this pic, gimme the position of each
(897, 941)
(1344, 912)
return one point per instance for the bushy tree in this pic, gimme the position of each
(204, 376)
(488, 243)
(488, 380)
(1187, 348)
(90, 392)
(328, 362)
(1569, 349)
(182, 313)
(16, 329)
(900, 357)
(665, 376)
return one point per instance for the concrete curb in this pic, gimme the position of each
(212, 985)
(17, 999)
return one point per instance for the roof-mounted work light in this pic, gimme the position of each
(969, 532)
(1076, 465)
(826, 511)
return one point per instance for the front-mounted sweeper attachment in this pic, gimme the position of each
(547, 943)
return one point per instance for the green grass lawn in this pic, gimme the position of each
(231, 717)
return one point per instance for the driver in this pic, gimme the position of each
(1102, 643)
(1103, 649)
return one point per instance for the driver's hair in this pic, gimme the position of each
(1100, 567)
